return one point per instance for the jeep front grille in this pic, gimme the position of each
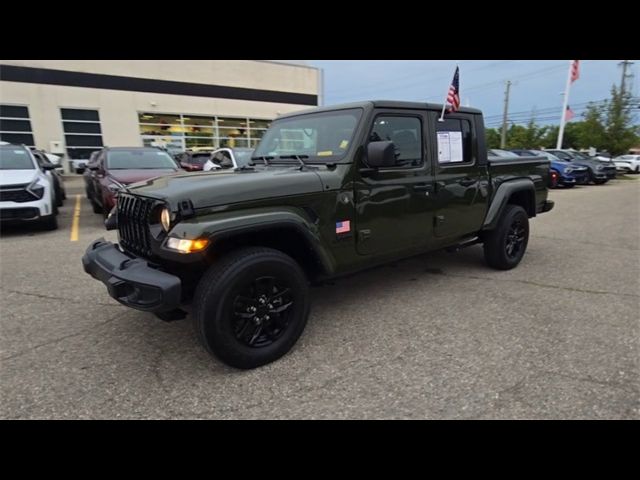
(133, 224)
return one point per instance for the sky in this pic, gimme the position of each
(537, 85)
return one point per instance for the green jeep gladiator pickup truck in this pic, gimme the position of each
(330, 191)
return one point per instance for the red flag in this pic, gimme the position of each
(568, 115)
(575, 70)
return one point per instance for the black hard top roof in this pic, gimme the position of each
(380, 104)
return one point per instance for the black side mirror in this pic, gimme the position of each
(381, 154)
(48, 166)
(94, 168)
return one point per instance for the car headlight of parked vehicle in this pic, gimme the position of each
(36, 188)
(114, 187)
(599, 167)
(568, 170)
(165, 219)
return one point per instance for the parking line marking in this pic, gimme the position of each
(76, 220)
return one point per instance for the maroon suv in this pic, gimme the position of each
(116, 167)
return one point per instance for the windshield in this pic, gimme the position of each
(324, 136)
(199, 158)
(139, 159)
(581, 156)
(15, 158)
(243, 157)
(550, 156)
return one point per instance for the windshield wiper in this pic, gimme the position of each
(297, 157)
(264, 158)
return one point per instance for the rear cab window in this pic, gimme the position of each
(455, 142)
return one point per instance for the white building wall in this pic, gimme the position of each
(119, 109)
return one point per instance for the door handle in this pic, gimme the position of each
(423, 188)
(467, 182)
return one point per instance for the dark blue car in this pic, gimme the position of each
(562, 172)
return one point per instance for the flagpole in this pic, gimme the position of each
(444, 105)
(564, 107)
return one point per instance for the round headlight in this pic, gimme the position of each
(165, 219)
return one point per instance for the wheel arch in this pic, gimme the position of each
(287, 231)
(515, 192)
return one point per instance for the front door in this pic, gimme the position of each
(394, 207)
(461, 184)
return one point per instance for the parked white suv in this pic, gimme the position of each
(26, 192)
(627, 163)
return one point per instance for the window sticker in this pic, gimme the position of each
(19, 152)
(325, 153)
(450, 147)
(344, 144)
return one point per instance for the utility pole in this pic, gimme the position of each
(503, 137)
(625, 64)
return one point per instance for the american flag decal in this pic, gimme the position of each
(343, 227)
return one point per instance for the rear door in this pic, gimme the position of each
(461, 182)
(394, 204)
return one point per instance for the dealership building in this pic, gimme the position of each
(73, 107)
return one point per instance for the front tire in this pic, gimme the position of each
(50, 222)
(504, 247)
(251, 306)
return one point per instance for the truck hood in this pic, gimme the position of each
(17, 177)
(209, 189)
(137, 175)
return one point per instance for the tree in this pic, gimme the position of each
(529, 137)
(591, 132)
(621, 134)
(492, 138)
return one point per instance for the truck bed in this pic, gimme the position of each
(536, 168)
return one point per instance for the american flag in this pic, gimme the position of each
(575, 70)
(453, 97)
(343, 227)
(568, 115)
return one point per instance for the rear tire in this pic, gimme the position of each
(504, 247)
(251, 307)
(96, 208)
(569, 185)
(600, 182)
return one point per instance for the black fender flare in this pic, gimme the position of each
(223, 227)
(501, 199)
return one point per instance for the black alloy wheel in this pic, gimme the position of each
(251, 306)
(261, 311)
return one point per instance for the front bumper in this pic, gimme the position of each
(132, 281)
(575, 178)
(26, 211)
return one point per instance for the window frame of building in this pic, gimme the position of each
(183, 139)
(6, 135)
(71, 148)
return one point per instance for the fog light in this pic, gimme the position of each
(184, 245)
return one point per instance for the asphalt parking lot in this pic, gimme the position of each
(438, 336)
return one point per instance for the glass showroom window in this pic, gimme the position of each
(15, 125)
(182, 131)
(82, 132)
